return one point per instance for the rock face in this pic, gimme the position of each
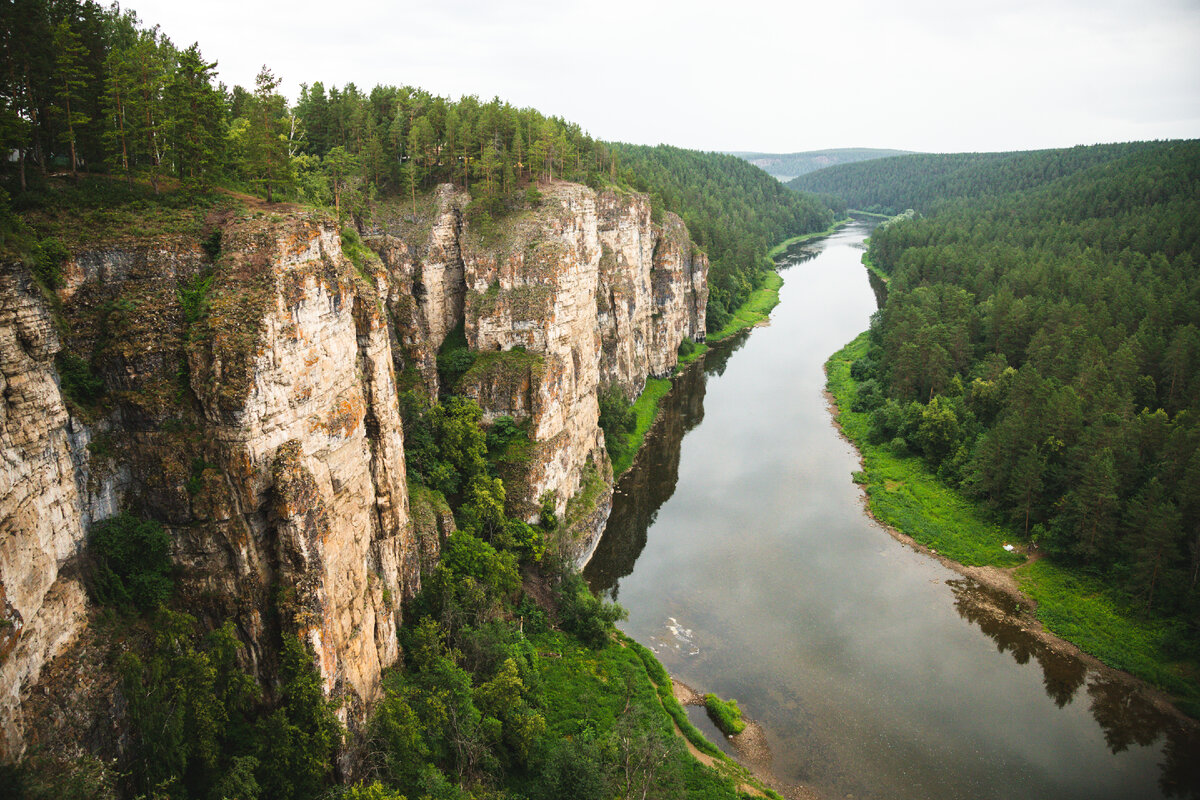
(299, 401)
(249, 404)
(583, 292)
(42, 604)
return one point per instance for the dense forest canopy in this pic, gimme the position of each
(1040, 346)
(921, 181)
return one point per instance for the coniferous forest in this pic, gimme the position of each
(90, 90)
(1040, 347)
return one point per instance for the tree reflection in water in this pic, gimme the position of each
(1118, 703)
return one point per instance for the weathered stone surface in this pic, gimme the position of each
(586, 283)
(301, 404)
(42, 606)
(264, 433)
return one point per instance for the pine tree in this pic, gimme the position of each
(195, 118)
(71, 82)
(267, 151)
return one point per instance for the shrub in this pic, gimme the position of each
(725, 714)
(131, 564)
(585, 615)
(79, 383)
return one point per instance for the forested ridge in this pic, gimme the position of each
(1041, 349)
(787, 166)
(923, 180)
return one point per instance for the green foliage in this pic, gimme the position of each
(1085, 611)
(725, 714)
(901, 490)
(43, 777)
(79, 383)
(469, 556)
(922, 180)
(454, 358)
(298, 741)
(359, 254)
(756, 308)
(190, 709)
(131, 563)
(48, 261)
(617, 420)
(733, 210)
(193, 298)
(1041, 349)
(585, 615)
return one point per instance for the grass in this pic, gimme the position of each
(725, 714)
(1072, 605)
(904, 494)
(666, 696)
(1083, 610)
(756, 308)
(586, 691)
(861, 213)
(782, 247)
(645, 408)
(874, 268)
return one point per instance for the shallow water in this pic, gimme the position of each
(739, 545)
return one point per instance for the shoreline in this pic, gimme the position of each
(1002, 581)
(751, 747)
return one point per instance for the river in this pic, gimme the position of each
(740, 547)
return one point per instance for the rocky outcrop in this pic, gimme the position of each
(292, 370)
(243, 393)
(42, 603)
(581, 292)
(250, 406)
(653, 291)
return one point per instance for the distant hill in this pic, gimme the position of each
(786, 166)
(920, 181)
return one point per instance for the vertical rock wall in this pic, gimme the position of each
(42, 603)
(582, 292)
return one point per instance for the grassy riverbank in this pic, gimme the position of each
(874, 268)
(578, 689)
(781, 248)
(645, 409)
(905, 495)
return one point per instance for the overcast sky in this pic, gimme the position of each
(746, 75)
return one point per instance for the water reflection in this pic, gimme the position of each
(838, 639)
(651, 480)
(1118, 704)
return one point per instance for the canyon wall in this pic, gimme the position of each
(245, 396)
(560, 301)
(261, 429)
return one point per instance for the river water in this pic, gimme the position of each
(740, 548)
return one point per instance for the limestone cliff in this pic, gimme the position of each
(244, 394)
(42, 604)
(559, 300)
(250, 406)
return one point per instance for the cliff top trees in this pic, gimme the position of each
(267, 156)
